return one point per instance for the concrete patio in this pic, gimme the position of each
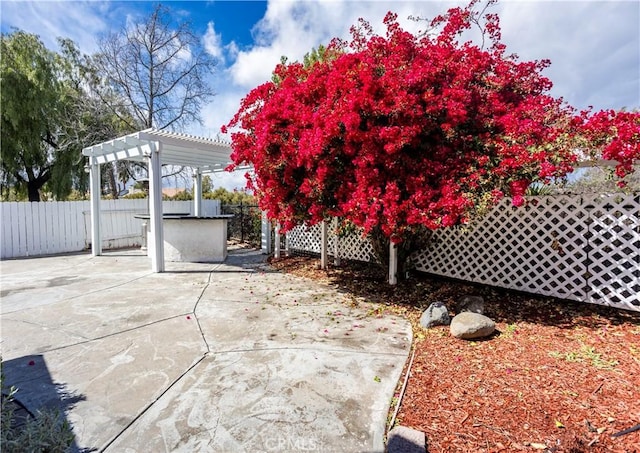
(204, 357)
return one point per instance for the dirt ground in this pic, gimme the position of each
(557, 376)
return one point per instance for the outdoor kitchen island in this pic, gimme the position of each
(191, 239)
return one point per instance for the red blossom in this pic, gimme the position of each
(614, 136)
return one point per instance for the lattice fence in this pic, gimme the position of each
(614, 251)
(572, 247)
(304, 239)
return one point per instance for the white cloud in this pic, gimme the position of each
(232, 50)
(219, 112)
(230, 181)
(293, 28)
(213, 42)
(80, 21)
(594, 48)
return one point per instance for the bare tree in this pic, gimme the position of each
(158, 69)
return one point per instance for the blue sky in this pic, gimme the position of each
(594, 46)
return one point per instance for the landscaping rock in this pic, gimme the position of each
(436, 315)
(474, 304)
(468, 325)
(406, 440)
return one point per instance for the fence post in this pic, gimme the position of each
(393, 263)
(241, 222)
(265, 243)
(323, 245)
(277, 240)
(336, 243)
(287, 252)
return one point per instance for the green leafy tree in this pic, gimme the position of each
(207, 184)
(49, 113)
(32, 101)
(228, 197)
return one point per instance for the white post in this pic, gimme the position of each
(287, 250)
(336, 243)
(197, 194)
(393, 263)
(266, 235)
(323, 245)
(155, 207)
(277, 244)
(94, 180)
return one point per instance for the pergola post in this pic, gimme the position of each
(94, 180)
(393, 263)
(197, 193)
(323, 245)
(155, 207)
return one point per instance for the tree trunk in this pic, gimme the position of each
(35, 184)
(33, 189)
(113, 185)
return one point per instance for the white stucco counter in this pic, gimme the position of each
(192, 239)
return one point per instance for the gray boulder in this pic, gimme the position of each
(474, 304)
(406, 440)
(468, 326)
(436, 315)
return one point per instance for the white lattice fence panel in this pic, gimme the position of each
(352, 247)
(584, 249)
(614, 251)
(304, 238)
(538, 248)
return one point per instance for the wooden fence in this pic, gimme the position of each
(43, 228)
(583, 248)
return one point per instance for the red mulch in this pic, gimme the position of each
(557, 376)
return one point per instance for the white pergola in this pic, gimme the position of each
(157, 148)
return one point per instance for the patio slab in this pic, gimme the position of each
(203, 357)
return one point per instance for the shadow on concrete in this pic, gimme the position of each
(37, 391)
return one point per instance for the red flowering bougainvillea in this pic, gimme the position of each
(401, 131)
(614, 136)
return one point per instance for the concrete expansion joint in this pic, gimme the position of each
(45, 327)
(107, 288)
(153, 402)
(109, 335)
(195, 308)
